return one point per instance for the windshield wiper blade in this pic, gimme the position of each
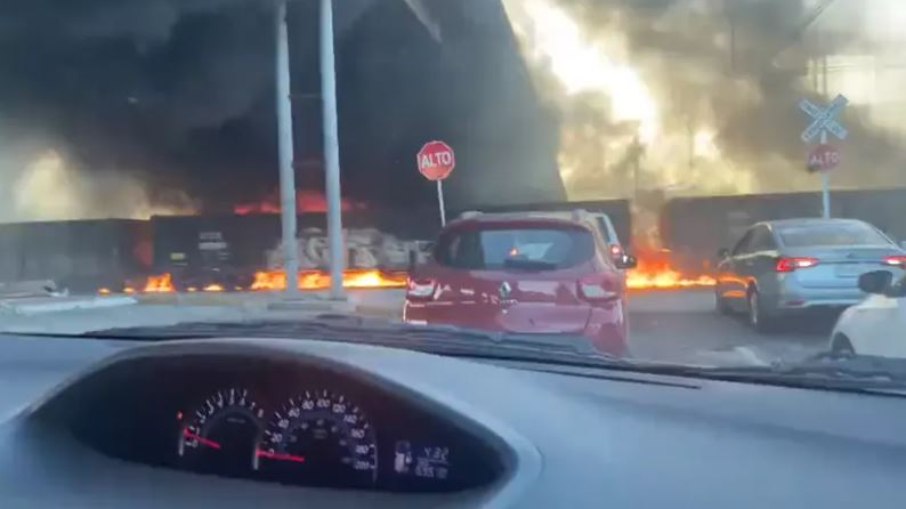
(855, 375)
(441, 339)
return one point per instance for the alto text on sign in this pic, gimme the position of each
(823, 158)
(436, 160)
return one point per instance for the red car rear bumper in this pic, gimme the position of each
(606, 328)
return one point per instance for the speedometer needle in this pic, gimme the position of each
(201, 440)
(279, 456)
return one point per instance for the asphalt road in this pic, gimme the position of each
(667, 326)
(675, 327)
(683, 326)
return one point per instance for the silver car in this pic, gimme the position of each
(780, 268)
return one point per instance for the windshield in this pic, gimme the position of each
(685, 182)
(840, 234)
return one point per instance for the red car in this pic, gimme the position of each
(548, 273)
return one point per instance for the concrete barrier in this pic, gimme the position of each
(40, 305)
(24, 289)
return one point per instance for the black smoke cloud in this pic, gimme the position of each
(179, 95)
(172, 90)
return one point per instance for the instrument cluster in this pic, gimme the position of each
(274, 421)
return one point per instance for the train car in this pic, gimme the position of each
(229, 249)
(620, 212)
(81, 256)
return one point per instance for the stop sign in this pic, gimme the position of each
(823, 158)
(436, 160)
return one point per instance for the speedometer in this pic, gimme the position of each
(319, 438)
(220, 434)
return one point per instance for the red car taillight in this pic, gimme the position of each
(896, 261)
(420, 288)
(791, 264)
(596, 288)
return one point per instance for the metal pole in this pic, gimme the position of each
(440, 203)
(332, 154)
(636, 166)
(285, 144)
(825, 185)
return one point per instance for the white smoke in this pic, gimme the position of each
(666, 98)
(46, 188)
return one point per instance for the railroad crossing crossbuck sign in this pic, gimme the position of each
(824, 119)
(824, 157)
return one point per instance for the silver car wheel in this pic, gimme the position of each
(842, 348)
(754, 310)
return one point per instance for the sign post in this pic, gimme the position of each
(436, 161)
(824, 158)
(440, 202)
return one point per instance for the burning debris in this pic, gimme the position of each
(306, 202)
(309, 280)
(320, 280)
(160, 284)
(657, 271)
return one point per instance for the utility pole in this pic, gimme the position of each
(285, 147)
(825, 175)
(730, 10)
(636, 155)
(332, 154)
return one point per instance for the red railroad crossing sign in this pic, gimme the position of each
(823, 158)
(436, 160)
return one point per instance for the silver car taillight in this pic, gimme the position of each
(895, 261)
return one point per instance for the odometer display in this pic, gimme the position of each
(319, 438)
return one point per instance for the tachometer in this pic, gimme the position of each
(220, 436)
(319, 438)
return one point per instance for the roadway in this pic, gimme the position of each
(668, 326)
(683, 326)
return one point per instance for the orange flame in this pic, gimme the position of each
(320, 280)
(656, 271)
(306, 201)
(160, 284)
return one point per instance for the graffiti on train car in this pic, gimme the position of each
(366, 248)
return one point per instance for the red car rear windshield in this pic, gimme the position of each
(530, 248)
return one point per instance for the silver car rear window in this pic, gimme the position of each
(841, 234)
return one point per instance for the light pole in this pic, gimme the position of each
(332, 154)
(285, 147)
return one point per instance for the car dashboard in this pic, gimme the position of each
(271, 420)
(238, 423)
